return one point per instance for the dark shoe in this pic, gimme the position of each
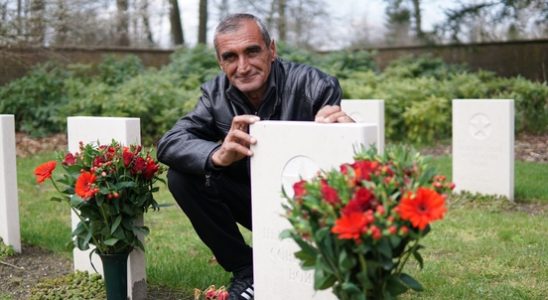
(241, 288)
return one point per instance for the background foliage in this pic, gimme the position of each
(417, 91)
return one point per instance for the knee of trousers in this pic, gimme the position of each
(184, 187)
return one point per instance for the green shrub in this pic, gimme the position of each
(423, 66)
(427, 121)
(115, 70)
(155, 98)
(5, 250)
(193, 66)
(35, 99)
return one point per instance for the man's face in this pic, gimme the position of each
(245, 59)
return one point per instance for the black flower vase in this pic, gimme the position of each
(115, 275)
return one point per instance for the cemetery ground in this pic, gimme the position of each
(486, 248)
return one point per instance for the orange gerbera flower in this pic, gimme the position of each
(351, 226)
(44, 171)
(85, 185)
(422, 208)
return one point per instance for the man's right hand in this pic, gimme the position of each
(236, 143)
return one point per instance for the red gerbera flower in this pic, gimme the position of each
(44, 171)
(127, 157)
(351, 226)
(422, 208)
(85, 185)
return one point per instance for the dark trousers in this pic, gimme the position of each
(214, 204)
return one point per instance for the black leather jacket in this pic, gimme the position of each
(295, 93)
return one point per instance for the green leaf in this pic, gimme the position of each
(56, 199)
(395, 286)
(323, 281)
(346, 261)
(286, 233)
(411, 282)
(111, 241)
(418, 257)
(384, 248)
(116, 224)
(350, 288)
(308, 259)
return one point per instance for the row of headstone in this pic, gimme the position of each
(483, 138)
(483, 159)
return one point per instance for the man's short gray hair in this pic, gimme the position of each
(233, 22)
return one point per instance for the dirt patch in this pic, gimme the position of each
(19, 273)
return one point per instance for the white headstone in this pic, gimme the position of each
(9, 207)
(367, 111)
(483, 146)
(286, 151)
(105, 129)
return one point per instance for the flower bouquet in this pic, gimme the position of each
(358, 226)
(108, 187)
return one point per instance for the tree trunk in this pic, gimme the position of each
(61, 26)
(122, 25)
(146, 23)
(202, 27)
(177, 35)
(37, 23)
(418, 19)
(282, 20)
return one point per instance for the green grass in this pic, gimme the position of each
(484, 249)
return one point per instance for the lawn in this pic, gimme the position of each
(486, 248)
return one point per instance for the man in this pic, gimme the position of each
(208, 150)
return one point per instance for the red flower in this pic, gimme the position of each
(127, 157)
(44, 171)
(299, 189)
(376, 233)
(422, 208)
(361, 201)
(150, 169)
(223, 295)
(364, 168)
(351, 226)
(85, 185)
(138, 166)
(329, 194)
(69, 160)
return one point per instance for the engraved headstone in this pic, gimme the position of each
(9, 208)
(483, 146)
(367, 111)
(104, 130)
(285, 152)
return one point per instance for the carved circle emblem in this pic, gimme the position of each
(298, 167)
(479, 126)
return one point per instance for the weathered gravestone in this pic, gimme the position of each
(105, 129)
(367, 111)
(9, 208)
(483, 146)
(285, 152)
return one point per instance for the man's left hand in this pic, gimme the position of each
(332, 114)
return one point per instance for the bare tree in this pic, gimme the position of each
(37, 21)
(177, 35)
(145, 19)
(202, 24)
(122, 25)
(495, 20)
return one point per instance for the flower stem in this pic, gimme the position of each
(401, 264)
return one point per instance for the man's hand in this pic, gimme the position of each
(332, 114)
(236, 143)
